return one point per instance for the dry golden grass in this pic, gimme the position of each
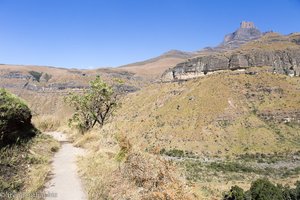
(41, 151)
(61, 76)
(212, 116)
(137, 175)
(46, 122)
(187, 115)
(271, 41)
(153, 69)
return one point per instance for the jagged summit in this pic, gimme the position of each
(245, 24)
(245, 33)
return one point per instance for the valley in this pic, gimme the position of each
(187, 125)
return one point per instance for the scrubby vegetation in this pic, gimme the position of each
(24, 160)
(216, 129)
(47, 77)
(36, 75)
(138, 175)
(224, 129)
(178, 153)
(15, 119)
(92, 107)
(263, 189)
(24, 167)
(47, 122)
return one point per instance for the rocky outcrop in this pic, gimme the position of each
(244, 48)
(285, 61)
(281, 116)
(16, 75)
(247, 32)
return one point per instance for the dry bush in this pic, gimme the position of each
(145, 176)
(141, 176)
(47, 122)
(97, 174)
(115, 169)
(125, 147)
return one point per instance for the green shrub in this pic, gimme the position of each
(194, 170)
(233, 167)
(36, 75)
(235, 193)
(263, 189)
(175, 153)
(94, 106)
(47, 77)
(296, 191)
(15, 119)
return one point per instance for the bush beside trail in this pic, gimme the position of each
(15, 119)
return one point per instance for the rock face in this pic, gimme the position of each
(283, 61)
(247, 32)
(281, 116)
(280, 52)
(247, 24)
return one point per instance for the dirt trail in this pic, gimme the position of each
(65, 183)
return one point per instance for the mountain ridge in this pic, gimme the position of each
(277, 51)
(156, 66)
(245, 33)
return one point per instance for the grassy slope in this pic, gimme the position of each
(213, 115)
(24, 168)
(153, 69)
(25, 163)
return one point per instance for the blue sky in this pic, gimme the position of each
(100, 33)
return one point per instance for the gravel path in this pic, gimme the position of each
(65, 183)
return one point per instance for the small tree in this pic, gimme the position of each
(47, 77)
(94, 106)
(36, 75)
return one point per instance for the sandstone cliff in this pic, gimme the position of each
(245, 33)
(282, 53)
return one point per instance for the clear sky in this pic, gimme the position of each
(100, 33)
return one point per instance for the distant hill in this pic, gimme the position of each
(154, 67)
(43, 87)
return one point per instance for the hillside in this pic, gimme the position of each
(225, 113)
(220, 116)
(227, 128)
(52, 78)
(277, 51)
(45, 96)
(154, 67)
(24, 153)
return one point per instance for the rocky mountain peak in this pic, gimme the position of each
(245, 24)
(245, 33)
